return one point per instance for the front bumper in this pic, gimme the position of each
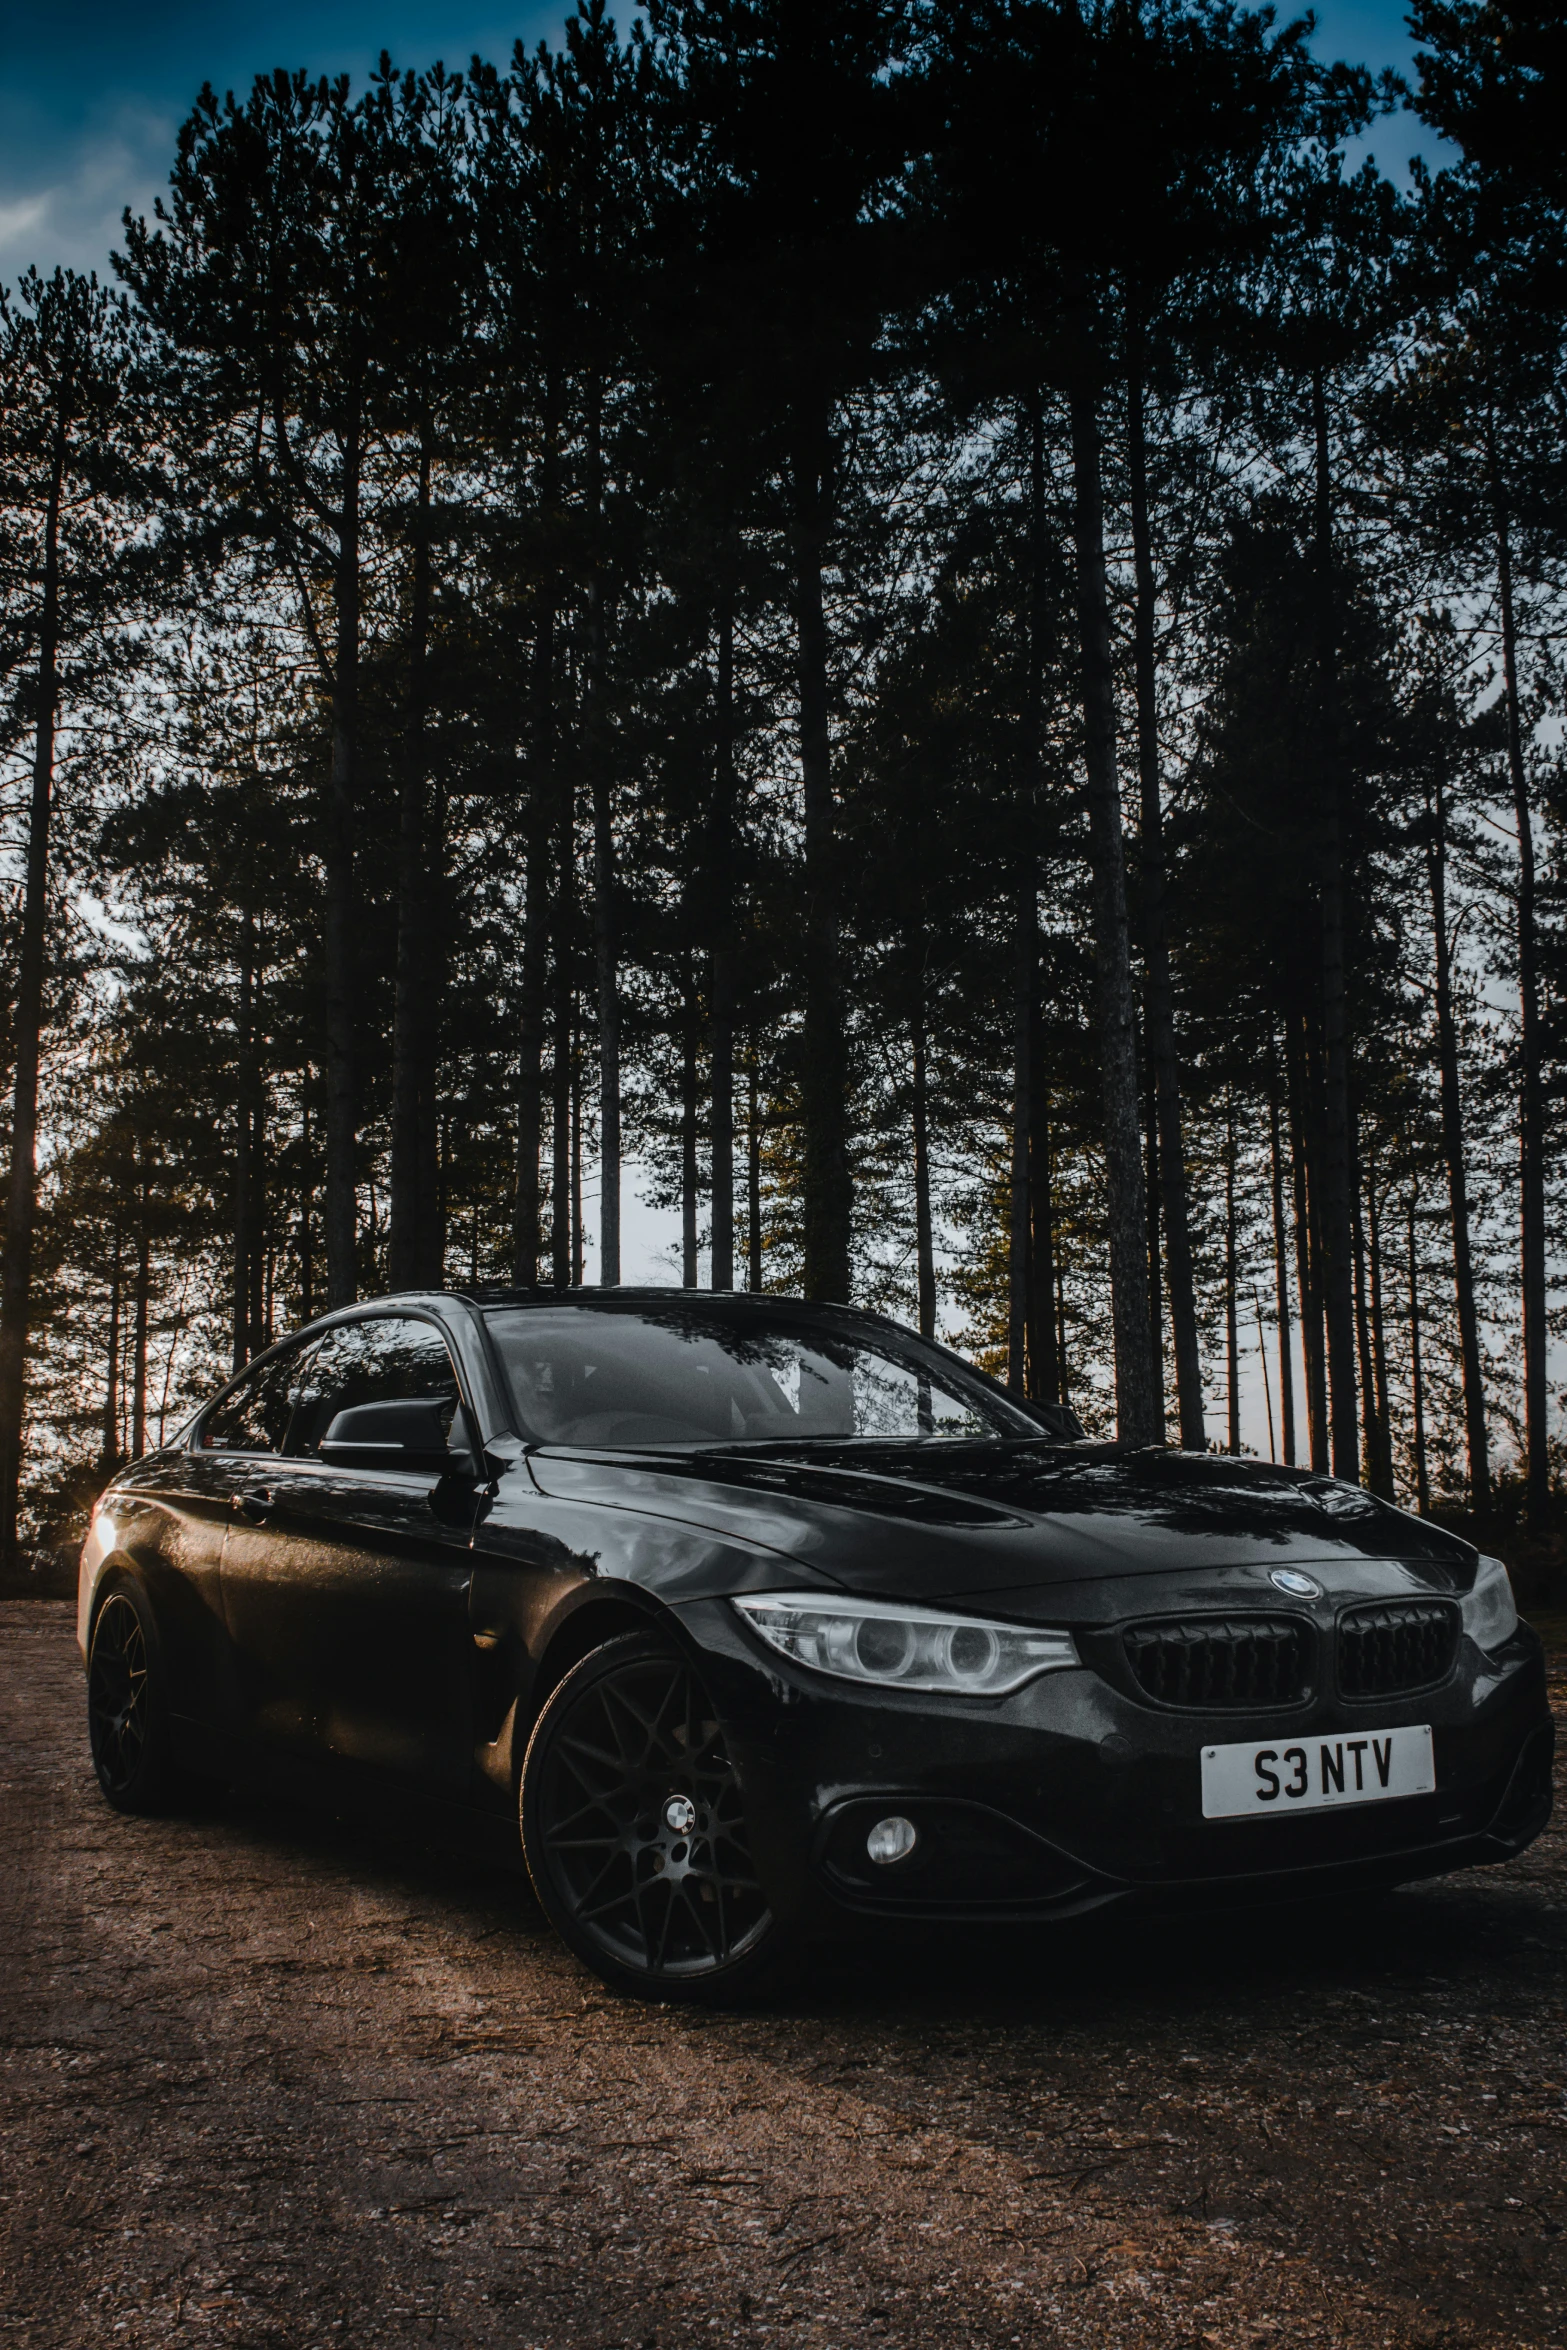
(1070, 1794)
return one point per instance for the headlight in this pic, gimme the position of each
(900, 1647)
(1490, 1616)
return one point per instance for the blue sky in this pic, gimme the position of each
(91, 94)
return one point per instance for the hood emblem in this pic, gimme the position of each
(1298, 1586)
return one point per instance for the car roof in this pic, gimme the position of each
(642, 1293)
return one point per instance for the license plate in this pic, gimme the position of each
(1365, 1766)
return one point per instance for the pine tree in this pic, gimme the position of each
(75, 478)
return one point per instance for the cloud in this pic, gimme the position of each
(74, 216)
(19, 220)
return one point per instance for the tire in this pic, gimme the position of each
(127, 1706)
(634, 1830)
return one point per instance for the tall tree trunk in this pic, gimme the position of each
(306, 1207)
(1336, 1203)
(606, 941)
(1370, 1441)
(722, 1008)
(1044, 1355)
(109, 1459)
(256, 1249)
(1453, 1154)
(528, 1206)
(142, 1312)
(689, 1267)
(1160, 989)
(1384, 1484)
(824, 1077)
(1416, 1379)
(1037, 1265)
(1139, 1407)
(1024, 1021)
(244, 1143)
(527, 1216)
(924, 1242)
(1232, 1344)
(753, 1176)
(578, 1227)
(1025, 956)
(563, 1023)
(1151, 1203)
(342, 1276)
(431, 1231)
(1281, 1285)
(1307, 1254)
(1531, 1107)
(16, 1282)
(606, 926)
(1267, 1384)
(412, 1013)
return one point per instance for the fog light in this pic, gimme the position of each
(891, 1840)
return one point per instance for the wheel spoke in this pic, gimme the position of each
(662, 1900)
(615, 1764)
(663, 1932)
(614, 1902)
(604, 1909)
(582, 1811)
(693, 1910)
(613, 1696)
(663, 1708)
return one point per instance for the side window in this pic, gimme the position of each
(254, 1416)
(386, 1360)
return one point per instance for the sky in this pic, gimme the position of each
(91, 95)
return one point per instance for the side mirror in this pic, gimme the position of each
(408, 1433)
(1060, 1419)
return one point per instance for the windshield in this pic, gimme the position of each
(687, 1373)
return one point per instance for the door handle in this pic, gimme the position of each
(256, 1505)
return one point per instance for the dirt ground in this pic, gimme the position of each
(269, 2079)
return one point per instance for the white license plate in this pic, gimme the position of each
(1304, 1774)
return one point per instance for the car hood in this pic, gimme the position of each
(950, 1520)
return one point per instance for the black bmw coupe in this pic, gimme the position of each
(765, 1617)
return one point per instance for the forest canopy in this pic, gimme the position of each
(930, 632)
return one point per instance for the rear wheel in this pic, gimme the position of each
(634, 1828)
(127, 1706)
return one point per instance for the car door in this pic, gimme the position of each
(175, 1527)
(345, 1590)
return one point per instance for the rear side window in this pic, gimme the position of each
(389, 1359)
(254, 1416)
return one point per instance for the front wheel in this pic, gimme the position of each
(634, 1829)
(127, 1708)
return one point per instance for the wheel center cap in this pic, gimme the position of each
(680, 1815)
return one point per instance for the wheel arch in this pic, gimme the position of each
(603, 1616)
(584, 1624)
(116, 1573)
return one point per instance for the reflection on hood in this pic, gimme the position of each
(1128, 1495)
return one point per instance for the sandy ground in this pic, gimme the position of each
(269, 2079)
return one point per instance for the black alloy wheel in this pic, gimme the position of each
(126, 1723)
(633, 1825)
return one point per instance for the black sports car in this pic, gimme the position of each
(768, 1617)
